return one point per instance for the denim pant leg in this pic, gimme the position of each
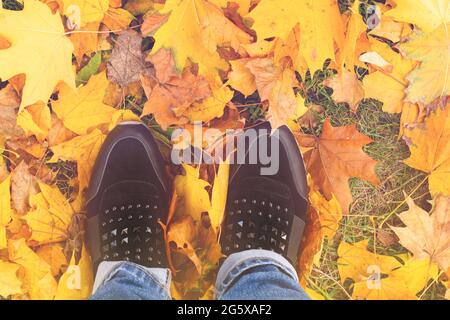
(258, 275)
(129, 281)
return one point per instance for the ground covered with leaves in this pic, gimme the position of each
(362, 84)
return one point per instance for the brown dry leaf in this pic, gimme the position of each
(427, 235)
(336, 156)
(127, 61)
(346, 89)
(275, 84)
(170, 95)
(23, 184)
(9, 105)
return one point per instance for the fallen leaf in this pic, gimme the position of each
(82, 12)
(10, 283)
(426, 14)
(23, 184)
(192, 195)
(430, 80)
(335, 157)
(36, 29)
(84, 109)
(320, 26)
(197, 41)
(127, 63)
(346, 89)
(427, 236)
(430, 150)
(76, 283)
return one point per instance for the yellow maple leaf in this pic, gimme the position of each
(386, 89)
(219, 195)
(430, 80)
(352, 43)
(9, 282)
(53, 254)
(193, 199)
(240, 77)
(430, 150)
(58, 204)
(45, 226)
(200, 27)
(355, 261)
(426, 14)
(84, 109)
(213, 106)
(30, 31)
(38, 279)
(83, 150)
(81, 12)
(36, 120)
(329, 211)
(400, 284)
(5, 201)
(76, 283)
(320, 26)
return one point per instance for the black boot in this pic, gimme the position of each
(267, 211)
(127, 195)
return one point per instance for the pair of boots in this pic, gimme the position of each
(129, 192)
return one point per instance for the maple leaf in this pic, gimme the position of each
(67, 291)
(430, 150)
(127, 61)
(329, 211)
(219, 195)
(23, 184)
(82, 12)
(171, 96)
(183, 233)
(84, 109)
(346, 89)
(386, 89)
(355, 39)
(354, 261)
(10, 283)
(426, 14)
(275, 84)
(430, 80)
(5, 209)
(201, 28)
(35, 120)
(335, 157)
(53, 254)
(86, 41)
(39, 281)
(35, 29)
(193, 197)
(400, 284)
(320, 26)
(9, 104)
(84, 150)
(427, 235)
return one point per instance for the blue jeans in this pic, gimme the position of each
(247, 275)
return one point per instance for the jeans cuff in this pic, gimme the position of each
(238, 263)
(107, 269)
